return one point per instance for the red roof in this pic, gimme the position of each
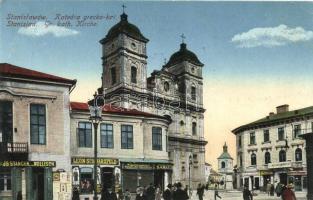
(108, 108)
(20, 72)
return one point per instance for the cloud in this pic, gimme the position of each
(41, 29)
(271, 36)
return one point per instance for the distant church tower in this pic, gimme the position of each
(225, 167)
(124, 62)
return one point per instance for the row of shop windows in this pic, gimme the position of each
(107, 133)
(266, 135)
(282, 157)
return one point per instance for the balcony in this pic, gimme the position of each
(13, 151)
(297, 165)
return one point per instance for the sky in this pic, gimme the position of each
(256, 55)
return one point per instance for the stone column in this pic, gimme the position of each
(309, 157)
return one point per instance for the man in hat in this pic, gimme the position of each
(288, 194)
(247, 194)
(180, 194)
(167, 194)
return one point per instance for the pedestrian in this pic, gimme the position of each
(75, 195)
(200, 191)
(167, 194)
(268, 189)
(140, 195)
(288, 194)
(151, 192)
(278, 189)
(120, 194)
(110, 195)
(158, 193)
(216, 193)
(247, 194)
(19, 195)
(180, 194)
(127, 195)
(272, 190)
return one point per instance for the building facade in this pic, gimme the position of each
(132, 149)
(34, 132)
(175, 91)
(225, 167)
(270, 150)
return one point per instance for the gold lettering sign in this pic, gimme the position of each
(90, 161)
(27, 163)
(147, 166)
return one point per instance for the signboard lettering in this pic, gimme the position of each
(27, 163)
(90, 161)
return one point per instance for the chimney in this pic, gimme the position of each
(282, 108)
(271, 114)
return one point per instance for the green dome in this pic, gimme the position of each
(124, 27)
(183, 55)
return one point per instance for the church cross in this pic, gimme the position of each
(183, 38)
(123, 8)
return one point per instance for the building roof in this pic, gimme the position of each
(124, 27)
(225, 154)
(108, 108)
(276, 118)
(9, 70)
(183, 55)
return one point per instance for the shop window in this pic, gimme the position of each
(133, 74)
(253, 159)
(156, 138)
(252, 138)
(267, 157)
(113, 75)
(298, 154)
(266, 135)
(84, 134)
(5, 182)
(127, 137)
(86, 180)
(282, 156)
(194, 128)
(296, 130)
(106, 134)
(281, 133)
(37, 124)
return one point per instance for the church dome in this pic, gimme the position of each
(124, 27)
(183, 55)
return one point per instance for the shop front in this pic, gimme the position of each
(266, 178)
(298, 180)
(31, 179)
(142, 174)
(108, 174)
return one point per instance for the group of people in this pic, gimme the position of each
(285, 191)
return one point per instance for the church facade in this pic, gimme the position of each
(175, 91)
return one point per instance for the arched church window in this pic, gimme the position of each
(193, 93)
(194, 128)
(113, 75)
(223, 165)
(133, 74)
(298, 154)
(166, 86)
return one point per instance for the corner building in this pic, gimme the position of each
(175, 91)
(270, 150)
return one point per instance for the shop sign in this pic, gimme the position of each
(90, 161)
(264, 173)
(279, 165)
(146, 166)
(27, 164)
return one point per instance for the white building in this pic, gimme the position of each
(270, 150)
(208, 168)
(225, 167)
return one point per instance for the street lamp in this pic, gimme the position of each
(190, 163)
(95, 108)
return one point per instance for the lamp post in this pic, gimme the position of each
(95, 108)
(190, 163)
